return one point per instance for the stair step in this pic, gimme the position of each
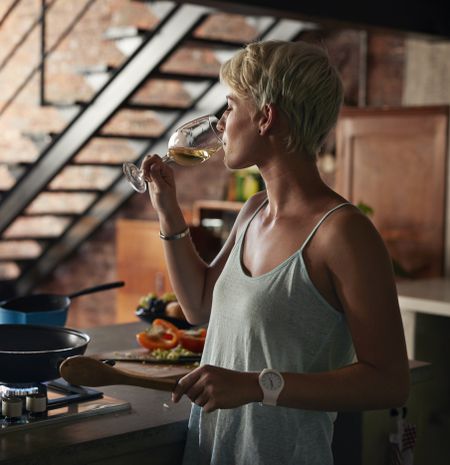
(153, 107)
(39, 139)
(136, 137)
(19, 250)
(37, 227)
(68, 110)
(78, 105)
(159, 8)
(97, 76)
(9, 271)
(127, 38)
(124, 32)
(104, 150)
(54, 203)
(175, 75)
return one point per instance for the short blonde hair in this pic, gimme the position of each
(295, 76)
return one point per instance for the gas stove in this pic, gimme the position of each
(25, 406)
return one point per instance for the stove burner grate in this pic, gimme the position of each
(20, 390)
(70, 393)
(65, 403)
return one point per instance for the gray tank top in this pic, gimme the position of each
(275, 320)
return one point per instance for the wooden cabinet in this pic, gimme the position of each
(140, 259)
(395, 161)
(216, 216)
(140, 263)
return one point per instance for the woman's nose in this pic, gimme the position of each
(221, 124)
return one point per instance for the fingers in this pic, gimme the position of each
(185, 384)
(152, 167)
(206, 386)
(159, 176)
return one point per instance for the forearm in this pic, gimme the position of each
(187, 271)
(355, 387)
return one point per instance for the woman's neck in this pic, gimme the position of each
(293, 183)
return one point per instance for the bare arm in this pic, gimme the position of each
(361, 270)
(192, 279)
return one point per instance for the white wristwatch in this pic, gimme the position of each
(272, 384)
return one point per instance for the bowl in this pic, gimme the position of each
(147, 317)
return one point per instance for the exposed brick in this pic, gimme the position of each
(162, 92)
(94, 262)
(233, 28)
(386, 59)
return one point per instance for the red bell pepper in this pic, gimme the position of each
(192, 339)
(160, 335)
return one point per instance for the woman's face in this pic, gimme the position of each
(240, 132)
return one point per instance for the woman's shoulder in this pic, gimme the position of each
(250, 207)
(255, 202)
(350, 227)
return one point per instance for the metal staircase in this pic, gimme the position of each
(73, 162)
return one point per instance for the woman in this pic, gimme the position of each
(302, 285)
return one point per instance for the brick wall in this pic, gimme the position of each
(94, 262)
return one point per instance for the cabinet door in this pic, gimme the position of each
(140, 263)
(394, 160)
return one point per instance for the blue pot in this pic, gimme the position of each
(44, 309)
(40, 309)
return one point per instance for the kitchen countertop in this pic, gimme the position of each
(422, 296)
(153, 431)
(425, 296)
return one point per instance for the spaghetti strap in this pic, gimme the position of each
(324, 217)
(263, 204)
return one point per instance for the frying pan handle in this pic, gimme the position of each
(102, 287)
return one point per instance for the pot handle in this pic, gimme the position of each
(102, 287)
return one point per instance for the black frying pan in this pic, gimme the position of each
(30, 354)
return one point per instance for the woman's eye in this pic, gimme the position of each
(226, 111)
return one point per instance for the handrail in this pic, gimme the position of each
(47, 53)
(9, 11)
(25, 35)
(43, 47)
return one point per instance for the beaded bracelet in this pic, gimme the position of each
(175, 237)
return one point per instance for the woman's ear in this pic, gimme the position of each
(267, 118)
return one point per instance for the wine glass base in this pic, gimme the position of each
(134, 177)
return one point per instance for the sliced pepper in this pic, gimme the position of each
(160, 335)
(192, 339)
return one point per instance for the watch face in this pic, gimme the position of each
(271, 381)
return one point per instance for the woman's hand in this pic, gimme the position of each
(160, 182)
(213, 387)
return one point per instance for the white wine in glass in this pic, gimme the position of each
(191, 144)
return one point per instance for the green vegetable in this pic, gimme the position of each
(172, 354)
(169, 297)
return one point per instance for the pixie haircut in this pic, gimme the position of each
(298, 78)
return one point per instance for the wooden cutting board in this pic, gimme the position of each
(146, 365)
(154, 370)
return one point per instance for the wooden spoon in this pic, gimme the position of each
(87, 371)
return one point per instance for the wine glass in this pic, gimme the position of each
(192, 143)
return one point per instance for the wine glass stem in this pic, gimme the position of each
(166, 158)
